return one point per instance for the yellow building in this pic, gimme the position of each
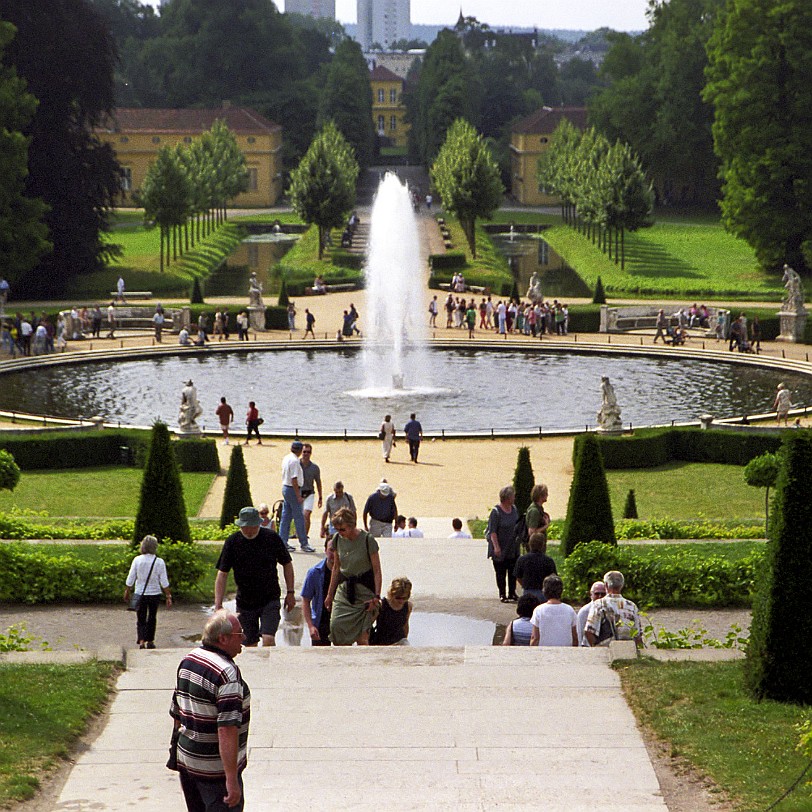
(388, 110)
(137, 135)
(529, 139)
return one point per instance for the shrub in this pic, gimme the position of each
(238, 492)
(32, 576)
(589, 510)
(675, 578)
(599, 296)
(9, 472)
(523, 480)
(452, 261)
(283, 300)
(197, 293)
(630, 508)
(196, 455)
(161, 509)
(779, 657)
(762, 472)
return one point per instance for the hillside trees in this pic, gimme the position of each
(760, 84)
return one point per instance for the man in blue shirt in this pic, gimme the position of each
(414, 434)
(314, 590)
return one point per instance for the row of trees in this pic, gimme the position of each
(602, 186)
(190, 185)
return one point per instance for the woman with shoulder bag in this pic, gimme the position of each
(387, 436)
(145, 581)
(503, 548)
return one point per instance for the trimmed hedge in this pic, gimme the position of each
(32, 576)
(681, 578)
(649, 448)
(276, 318)
(94, 448)
(453, 260)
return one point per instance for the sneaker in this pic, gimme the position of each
(308, 549)
(150, 644)
(291, 548)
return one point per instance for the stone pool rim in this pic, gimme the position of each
(571, 345)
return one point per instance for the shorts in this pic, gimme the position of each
(309, 502)
(255, 622)
(224, 426)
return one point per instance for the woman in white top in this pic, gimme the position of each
(387, 437)
(146, 579)
(554, 623)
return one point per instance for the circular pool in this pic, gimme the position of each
(452, 388)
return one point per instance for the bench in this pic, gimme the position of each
(133, 318)
(132, 294)
(644, 317)
(339, 288)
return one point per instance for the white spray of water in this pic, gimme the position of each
(395, 355)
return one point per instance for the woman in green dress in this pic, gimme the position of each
(354, 595)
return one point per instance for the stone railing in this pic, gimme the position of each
(644, 317)
(133, 318)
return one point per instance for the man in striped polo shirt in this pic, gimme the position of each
(211, 709)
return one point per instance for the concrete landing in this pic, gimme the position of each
(395, 728)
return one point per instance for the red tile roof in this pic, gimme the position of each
(546, 119)
(239, 120)
(381, 74)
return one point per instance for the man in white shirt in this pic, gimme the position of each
(412, 531)
(596, 592)
(459, 533)
(292, 479)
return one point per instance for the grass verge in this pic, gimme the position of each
(103, 491)
(705, 718)
(43, 710)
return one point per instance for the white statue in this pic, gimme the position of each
(794, 296)
(190, 410)
(609, 415)
(534, 289)
(254, 291)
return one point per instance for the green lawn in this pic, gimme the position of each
(107, 491)
(703, 713)
(677, 256)
(685, 491)
(43, 710)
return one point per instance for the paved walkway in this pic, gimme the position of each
(465, 728)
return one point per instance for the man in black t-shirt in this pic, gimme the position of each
(253, 553)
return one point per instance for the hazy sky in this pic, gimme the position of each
(622, 15)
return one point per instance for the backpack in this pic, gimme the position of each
(521, 533)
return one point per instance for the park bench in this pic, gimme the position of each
(135, 318)
(132, 294)
(644, 317)
(339, 288)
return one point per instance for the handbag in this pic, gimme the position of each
(135, 599)
(381, 435)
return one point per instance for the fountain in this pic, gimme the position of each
(394, 354)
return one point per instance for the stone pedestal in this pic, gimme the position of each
(793, 325)
(256, 318)
(705, 420)
(183, 433)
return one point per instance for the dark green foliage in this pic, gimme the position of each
(161, 509)
(238, 492)
(276, 318)
(682, 577)
(523, 480)
(31, 576)
(197, 293)
(652, 447)
(762, 472)
(514, 292)
(451, 260)
(589, 511)
(599, 296)
(630, 508)
(779, 657)
(9, 472)
(93, 448)
(283, 300)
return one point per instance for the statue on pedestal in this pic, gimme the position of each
(794, 295)
(190, 410)
(609, 415)
(254, 291)
(534, 289)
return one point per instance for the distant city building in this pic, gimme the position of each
(388, 109)
(529, 139)
(399, 62)
(137, 134)
(312, 8)
(383, 22)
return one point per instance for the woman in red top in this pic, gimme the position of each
(252, 420)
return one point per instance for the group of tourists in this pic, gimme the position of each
(505, 316)
(31, 335)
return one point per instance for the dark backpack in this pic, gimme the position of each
(521, 534)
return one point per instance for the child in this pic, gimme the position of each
(519, 631)
(392, 626)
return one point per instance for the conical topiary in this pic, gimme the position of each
(630, 508)
(197, 292)
(238, 491)
(599, 297)
(284, 300)
(589, 511)
(523, 480)
(161, 509)
(779, 657)
(514, 292)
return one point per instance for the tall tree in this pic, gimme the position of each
(760, 84)
(467, 178)
(65, 53)
(23, 237)
(347, 100)
(322, 187)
